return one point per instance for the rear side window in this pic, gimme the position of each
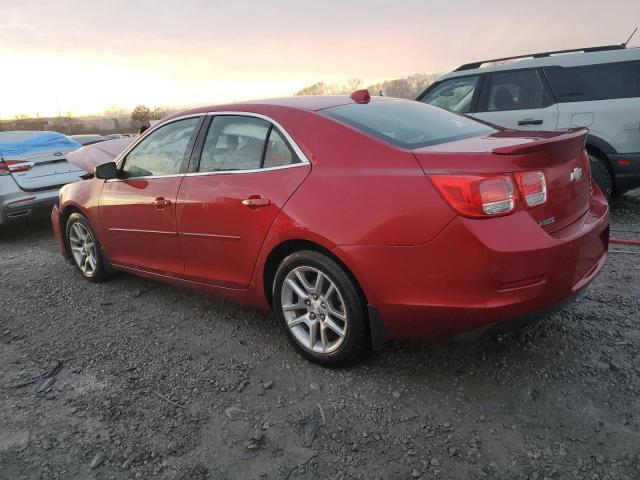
(236, 142)
(604, 81)
(278, 153)
(454, 94)
(408, 124)
(514, 90)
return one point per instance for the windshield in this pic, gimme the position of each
(408, 124)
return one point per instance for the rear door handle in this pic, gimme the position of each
(160, 202)
(529, 121)
(255, 201)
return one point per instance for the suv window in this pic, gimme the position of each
(454, 94)
(604, 81)
(161, 152)
(236, 142)
(514, 90)
(407, 124)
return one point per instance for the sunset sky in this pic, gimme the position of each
(84, 57)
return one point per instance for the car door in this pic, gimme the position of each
(517, 99)
(247, 168)
(138, 211)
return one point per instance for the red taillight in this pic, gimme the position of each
(533, 186)
(478, 196)
(486, 196)
(14, 166)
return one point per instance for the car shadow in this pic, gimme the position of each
(27, 229)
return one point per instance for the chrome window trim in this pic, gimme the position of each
(298, 151)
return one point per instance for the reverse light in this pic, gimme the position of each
(478, 196)
(533, 186)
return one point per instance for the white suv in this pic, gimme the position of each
(596, 87)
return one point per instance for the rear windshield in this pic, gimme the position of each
(408, 124)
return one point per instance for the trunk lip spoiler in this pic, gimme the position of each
(574, 135)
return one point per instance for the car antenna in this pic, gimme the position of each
(629, 39)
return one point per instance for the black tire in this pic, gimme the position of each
(100, 272)
(354, 341)
(601, 175)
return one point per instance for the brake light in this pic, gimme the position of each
(478, 196)
(533, 186)
(14, 166)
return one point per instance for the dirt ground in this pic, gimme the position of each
(136, 379)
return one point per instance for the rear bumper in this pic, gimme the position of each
(20, 205)
(479, 273)
(626, 167)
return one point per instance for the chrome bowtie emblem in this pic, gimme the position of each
(576, 174)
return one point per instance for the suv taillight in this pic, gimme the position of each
(487, 196)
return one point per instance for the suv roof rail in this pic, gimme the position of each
(474, 65)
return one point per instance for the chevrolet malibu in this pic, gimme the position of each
(355, 219)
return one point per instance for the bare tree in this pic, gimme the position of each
(140, 116)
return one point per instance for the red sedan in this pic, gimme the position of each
(355, 219)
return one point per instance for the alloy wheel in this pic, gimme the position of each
(83, 248)
(314, 310)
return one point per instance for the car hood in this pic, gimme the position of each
(89, 157)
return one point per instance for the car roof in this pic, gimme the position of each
(560, 59)
(311, 103)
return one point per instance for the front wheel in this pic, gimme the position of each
(320, 308)
(84, 248)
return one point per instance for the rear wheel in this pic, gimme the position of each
(601, 175)
(320, 308)
(84, 248)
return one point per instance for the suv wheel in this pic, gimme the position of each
(84, 248)
(601, 175)
(320, 308)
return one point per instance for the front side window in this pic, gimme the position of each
(514, 90)
(407, 124)
(604, 81)
(162, 151)
(454, 94)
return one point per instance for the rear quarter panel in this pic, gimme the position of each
(361, 191)
(614, 121)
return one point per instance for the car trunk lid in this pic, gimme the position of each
(560, 155)
(42, 171)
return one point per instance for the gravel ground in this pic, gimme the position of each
(136, 379)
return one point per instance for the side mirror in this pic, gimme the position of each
(106, 171)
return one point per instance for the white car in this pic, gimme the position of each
(597, 88)
(33, 166)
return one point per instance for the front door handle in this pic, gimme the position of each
(529, 121)
(160, 203)
(255, 201)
